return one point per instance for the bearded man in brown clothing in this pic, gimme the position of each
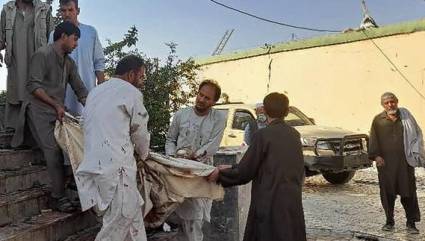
(391, 146)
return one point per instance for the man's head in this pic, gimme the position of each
(276, 105)
(208, 94)
(67, 34)
(69, 10)
(259, 108)
(259, 112)
(131, 68)
(390, 103)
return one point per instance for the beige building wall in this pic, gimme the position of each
(337, 85)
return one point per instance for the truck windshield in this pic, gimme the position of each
(297, 118)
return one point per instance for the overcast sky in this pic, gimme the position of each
(198, 25)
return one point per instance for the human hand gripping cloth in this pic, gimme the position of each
(171, 180)
(164, 182)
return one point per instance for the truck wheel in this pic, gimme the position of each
(339, 178)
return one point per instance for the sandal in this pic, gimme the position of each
(63, 204)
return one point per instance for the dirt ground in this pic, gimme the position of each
(353, 211)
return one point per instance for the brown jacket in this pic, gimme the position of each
(274, 162)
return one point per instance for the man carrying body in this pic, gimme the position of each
(115, 125)
(88, 55)
(254, 126)
(50, 71)
(396, 145)
(198, 131)
(25, 27)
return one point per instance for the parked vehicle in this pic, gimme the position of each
(332, 152)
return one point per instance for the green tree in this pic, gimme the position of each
(168, 86)
(57, 19)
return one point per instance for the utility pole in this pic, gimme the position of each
(223, 42)
(368, 21)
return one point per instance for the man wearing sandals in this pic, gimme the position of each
(115, 126)
(396, 145)
(51, 70)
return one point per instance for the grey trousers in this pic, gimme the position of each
(41, 122)
(11, 115)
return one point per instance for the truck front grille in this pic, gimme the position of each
(352, 145)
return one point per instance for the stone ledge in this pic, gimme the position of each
(5, 139)
(15, 206)
(23, 179)
(15, 159)
(52, 226)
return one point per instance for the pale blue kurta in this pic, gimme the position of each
(89, 58)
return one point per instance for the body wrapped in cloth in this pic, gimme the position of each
(164, 182)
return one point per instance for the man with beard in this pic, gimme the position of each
(115, 127)
(255, 125)
(51, 70)
(24, 27)
(274, 163)
(396, 145)
(196, 131)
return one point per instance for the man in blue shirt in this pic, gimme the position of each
(88, 56)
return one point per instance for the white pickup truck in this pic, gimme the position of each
(333, 152)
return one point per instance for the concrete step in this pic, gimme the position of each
(88, 234)
(170, 236)
(49, 226)
(15, 159)
(16, 206)
(23, 179)
(5, 139)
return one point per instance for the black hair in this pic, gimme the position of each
(213, 84)
(66, 28)
(65, 2)
(276, 105)
(129, 63)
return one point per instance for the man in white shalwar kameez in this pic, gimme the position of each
(196, 133)
(115, 125)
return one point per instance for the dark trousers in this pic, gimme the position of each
(410, 205)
